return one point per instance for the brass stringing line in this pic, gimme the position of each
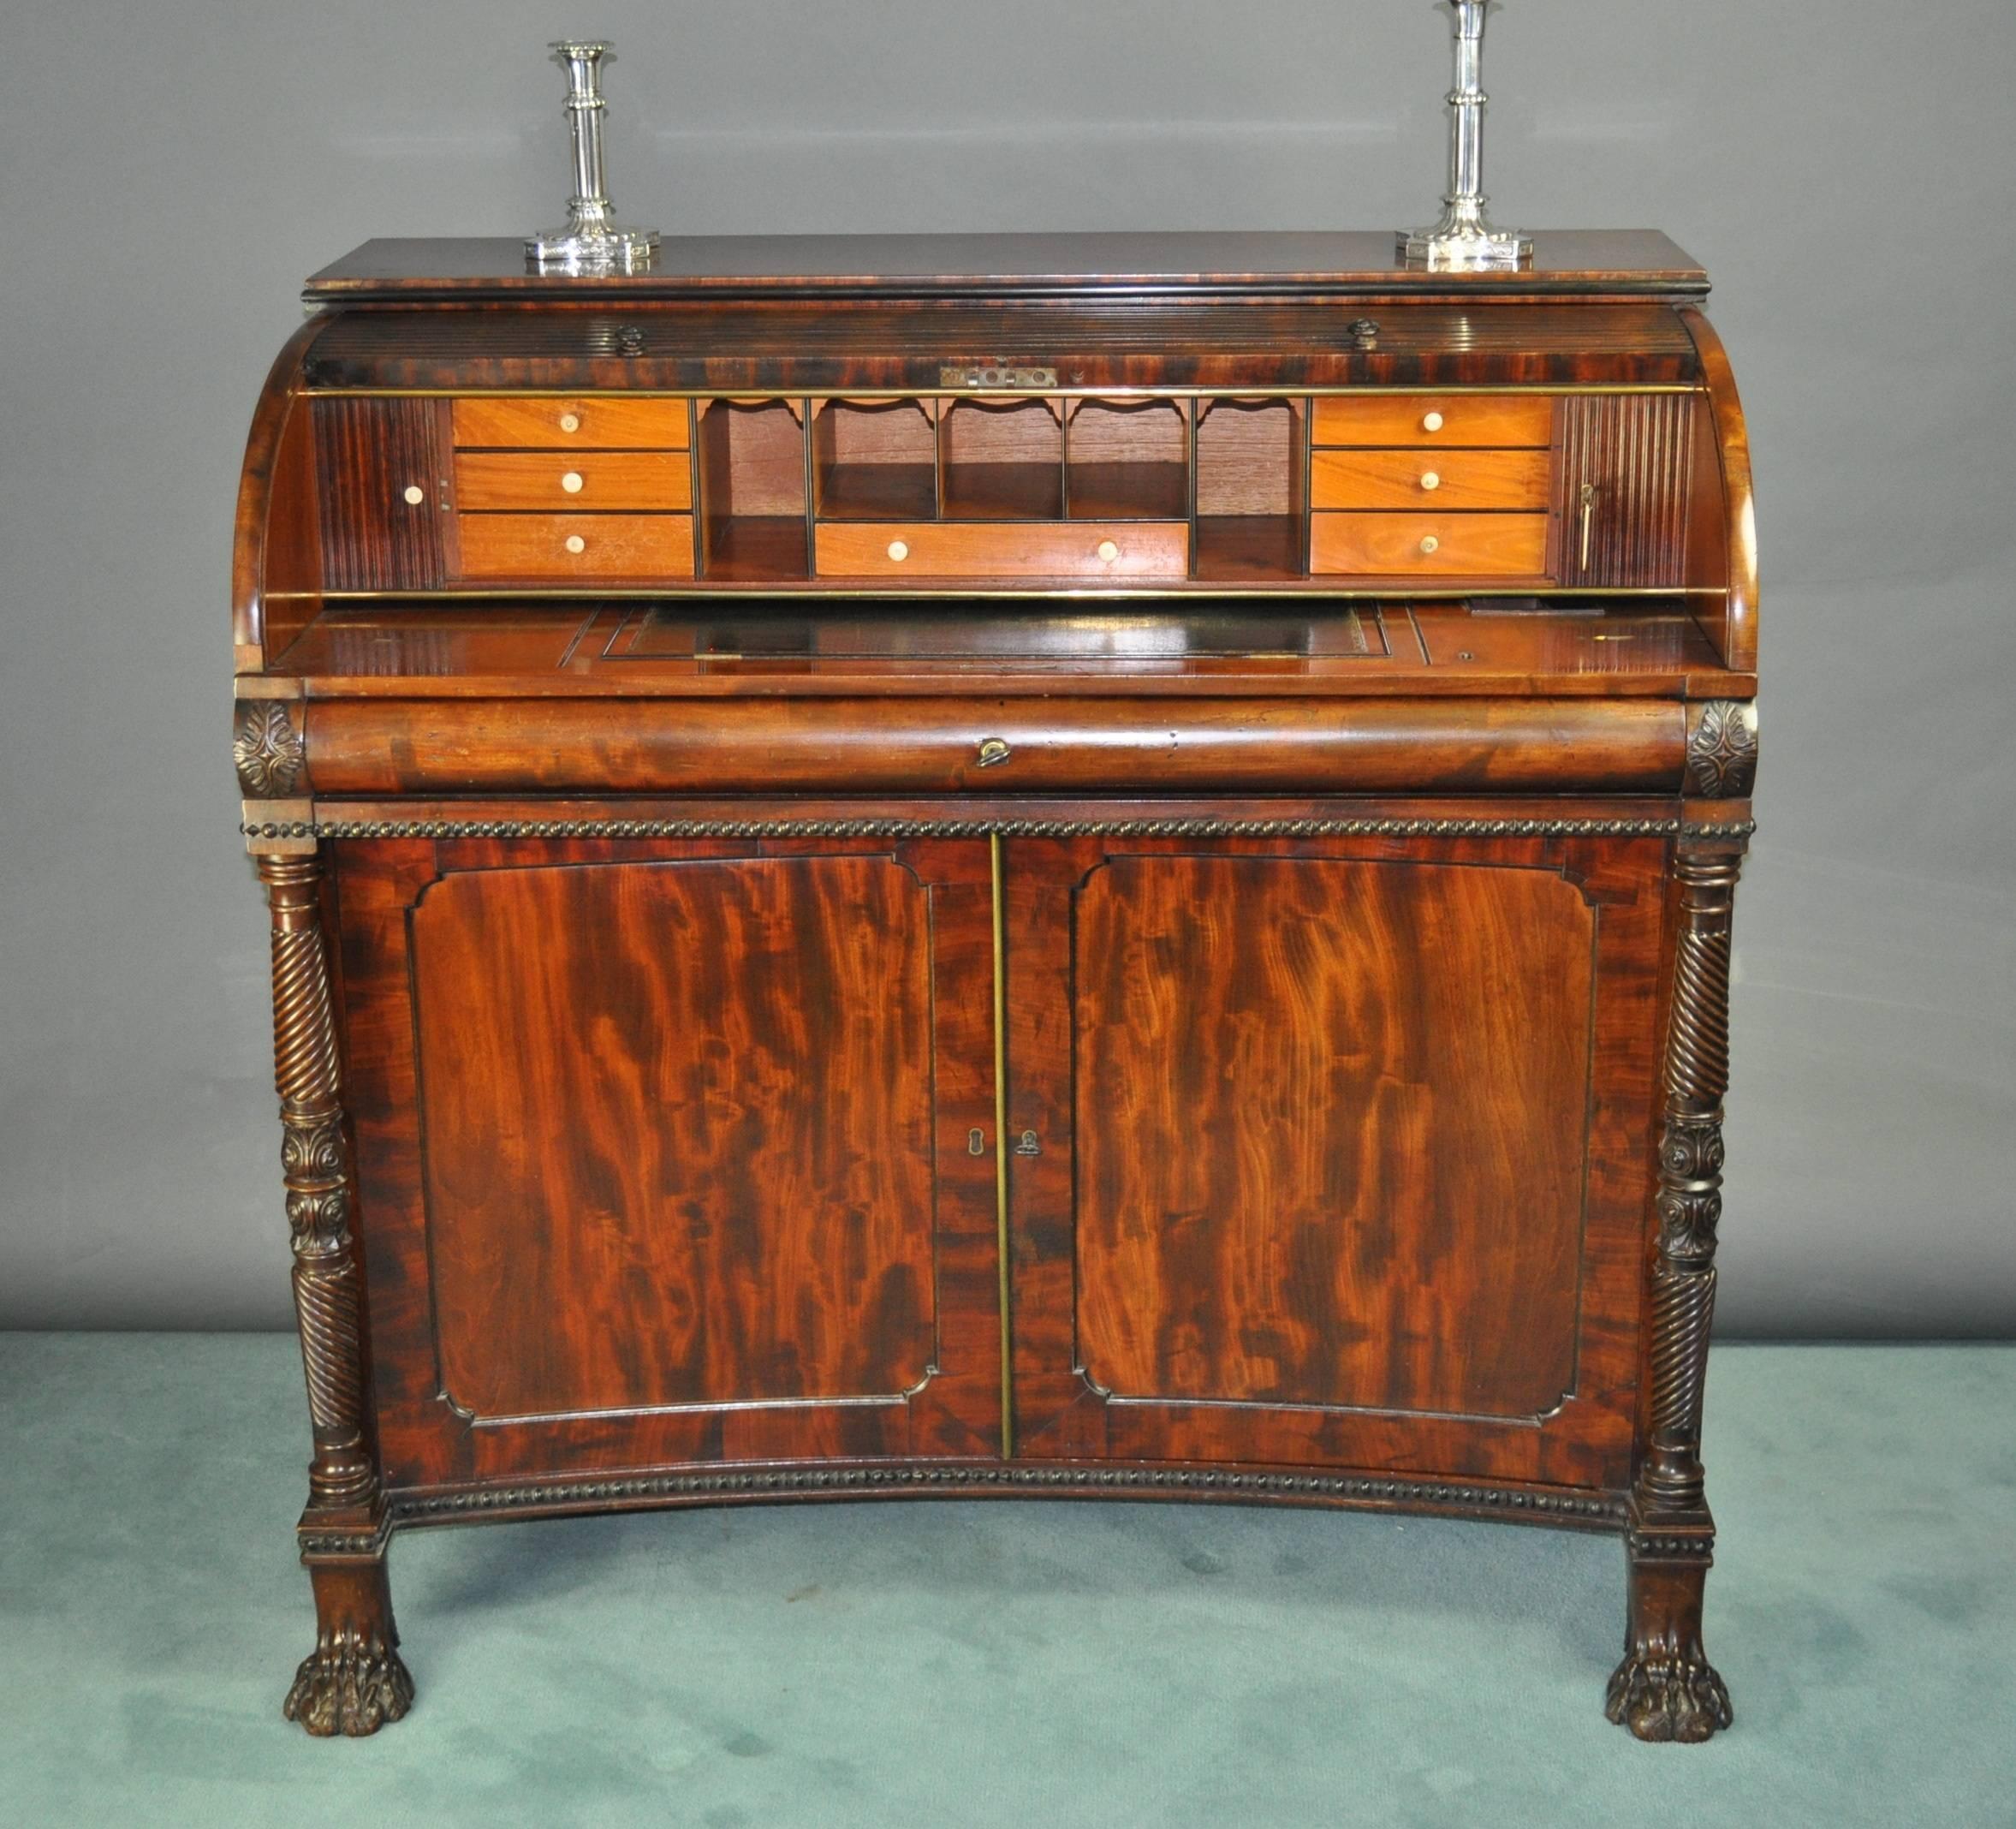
(1001, 1162)
(1341, 388)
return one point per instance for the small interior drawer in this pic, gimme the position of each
(591, 548)
(1434, 419)
(1090, 549)
(568, 480)
(1429, 545)
(1430, 479)
(589, 421)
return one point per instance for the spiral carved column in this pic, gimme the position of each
(1665, 1688)
(354, 1682)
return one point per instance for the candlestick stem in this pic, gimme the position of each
(1463, 236)
(591, 241)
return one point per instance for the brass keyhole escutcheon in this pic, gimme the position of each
(994, 752)
(976, 1142)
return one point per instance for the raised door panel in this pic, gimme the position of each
(672, 1191)
(677, 1125)
(1345, 1159)
(1329, 1132)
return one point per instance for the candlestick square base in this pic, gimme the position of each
(1469, 250)
(607, 251)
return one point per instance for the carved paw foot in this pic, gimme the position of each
(1667, 1698)
(350, 1684)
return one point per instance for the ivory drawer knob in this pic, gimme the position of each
(572, 482)
(1430, 480)
(1108, 551)
(414, 494)
(899, 550)
(574, 543)
(570, 422)
(1431, 422)
(1429, 543)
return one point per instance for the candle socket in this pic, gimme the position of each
(1463, 237)
(591, 241)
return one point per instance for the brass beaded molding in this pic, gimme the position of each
(1602, 1508)
(604, 827)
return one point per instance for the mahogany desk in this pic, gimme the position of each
(1080, 866)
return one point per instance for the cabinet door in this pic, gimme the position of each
(1331, 1152)
(667, 1151)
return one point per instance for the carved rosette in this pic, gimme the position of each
(1721, 749)
(268, 752)
(315, 1165)
(353, 1683)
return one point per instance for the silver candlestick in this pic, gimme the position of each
(591, 242)
(1463, 237)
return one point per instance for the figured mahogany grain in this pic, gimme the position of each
(1329, 1132)
(367, 745)
(678, 1132)
(1194, 1136)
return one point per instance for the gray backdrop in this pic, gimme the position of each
(172, 170)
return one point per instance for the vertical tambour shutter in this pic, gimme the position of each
(1636, 450)
(367, 453)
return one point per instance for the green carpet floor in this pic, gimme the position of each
(1046, 1663)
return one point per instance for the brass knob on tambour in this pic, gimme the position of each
(1431, 422)
(993, 751)
(570, 422)
(1429, 543)
(574, 543)
(899, 550)
(572, 482)
(1108, 551)
(1430, 480)
(414, 494)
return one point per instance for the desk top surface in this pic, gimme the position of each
(1605, 261)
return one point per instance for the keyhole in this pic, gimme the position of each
(976, 1142)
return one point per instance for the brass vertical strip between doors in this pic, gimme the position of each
(1001, 1154)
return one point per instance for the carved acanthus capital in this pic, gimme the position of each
(320, 1220)
(269, 750)
(1721, 749)
(313, 1149)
